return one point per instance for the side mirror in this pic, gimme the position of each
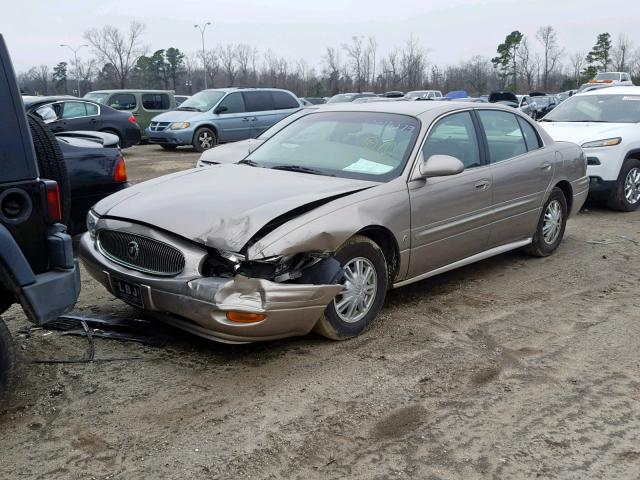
(220, 109)
(440, 166)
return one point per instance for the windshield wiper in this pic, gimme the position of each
(189, 109)
(301, 169)
(249, 162)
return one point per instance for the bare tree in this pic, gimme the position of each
(41, 75)
(413, 62)
(243, 59)
(577, 60)
(332, 69)
(477, 71)
(621, 52)
(527, 65)
(355, 53)
(120, 50)
(551, 53)
(229, 65)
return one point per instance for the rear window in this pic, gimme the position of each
(123, 101)
(283, 100)
(530, 136)
(155, 101)
(74, 110)
(504, 136)
(258, 101)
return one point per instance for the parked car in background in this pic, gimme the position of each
(348, 97)
(379, 99)
(562, 96)
(606, 124)
(544, 104)
(519, 102)
(37, 268)
(359, 200)
(180, 99)
(96, 169)
(457, 94)
(424, 95)
(142, 104)
(612, 78)
(393, 94)
(221, 115)
(315, 100)
(64, 113)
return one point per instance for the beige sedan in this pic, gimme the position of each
(316, 224)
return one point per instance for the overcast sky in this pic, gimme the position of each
(450, 30)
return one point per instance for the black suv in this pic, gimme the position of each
(37, 268)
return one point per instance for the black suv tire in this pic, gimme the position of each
(7, 363)
(51, 162)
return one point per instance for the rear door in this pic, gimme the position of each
(521, 171)
(233, 123)
(268, 107)
(152, 104)
(451, 216)
(79, 116)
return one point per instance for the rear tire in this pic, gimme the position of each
(169, 147)
(551, 225)
(51, 163)
(339, 322)
(204, 139)
(7, 361)
(625, 197)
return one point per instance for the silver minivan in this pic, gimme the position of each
(221, 115)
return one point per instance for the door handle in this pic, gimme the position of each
(254, 119)
(545, 166)
(246, 119)
(483, 184)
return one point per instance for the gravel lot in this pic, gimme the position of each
(510, 368)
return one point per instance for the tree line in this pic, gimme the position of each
(119, 59)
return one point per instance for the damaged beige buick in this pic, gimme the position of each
(310, 229)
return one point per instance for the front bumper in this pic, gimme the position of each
(170, 137)
(604, 162)
(199, 304)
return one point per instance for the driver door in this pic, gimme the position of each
(451, 216)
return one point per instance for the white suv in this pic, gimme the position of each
(613, 78)
(606, 124)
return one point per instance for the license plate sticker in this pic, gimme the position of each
(127, 291)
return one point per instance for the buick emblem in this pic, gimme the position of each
(133, 250)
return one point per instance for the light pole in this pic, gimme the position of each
(204, 58)
(75, 56)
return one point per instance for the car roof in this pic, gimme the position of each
(617, 90)
(405, 108)
(235, 89)
(130, 90)
(29, 100)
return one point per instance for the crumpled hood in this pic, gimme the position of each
(222, 206)
(579, 132)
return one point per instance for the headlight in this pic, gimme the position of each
(179, 125)
(607, 142)
(92, 220)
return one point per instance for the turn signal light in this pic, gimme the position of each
(120, 174)
(245, 317)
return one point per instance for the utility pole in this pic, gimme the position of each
(204, 58)
(75, 56)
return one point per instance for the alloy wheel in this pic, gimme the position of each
(360, 283)
(206, 140)
(552, 223)
(632, 186)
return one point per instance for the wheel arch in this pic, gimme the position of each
(389, 245)
(567, 190)
(206, 125)
(634, 153)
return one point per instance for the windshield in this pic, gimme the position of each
(202, 101)
(362, 145)
(541, 101)
(417, 94)
(607, 76)
(343, 97)
(597, 108)
(97, 97)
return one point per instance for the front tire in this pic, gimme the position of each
(551, 225)
(204, 139)
(625, 197)
(7, 361)
(365, 279)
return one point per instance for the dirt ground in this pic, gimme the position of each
(510, 368)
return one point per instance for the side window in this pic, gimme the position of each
(258, 101)
(92, 109)
(530, 135)
(233, 102)
(454, 135)
(283, 101)
(155, 101)
(47, 113)
(504, 135)
(123, 101)
(74, 110)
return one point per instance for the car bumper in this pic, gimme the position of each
(199, 304)
(170, 137)
(604, 163)
(132, 136)
(580, 188)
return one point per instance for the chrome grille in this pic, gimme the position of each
(140, 253)
(158, 126)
